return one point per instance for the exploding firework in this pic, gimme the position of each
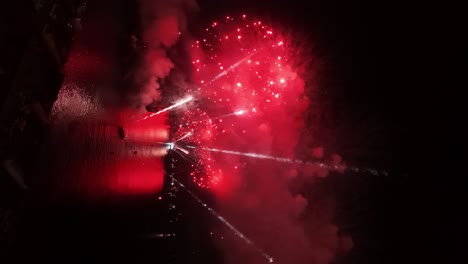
(244, 74)
(241, 133)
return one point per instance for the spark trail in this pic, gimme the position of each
(177, 104)
(254, 155)
(232, 67)
(183, 137)
(236, 231)
(372, 171)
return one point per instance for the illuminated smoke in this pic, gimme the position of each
(163, 21)
(245, 66)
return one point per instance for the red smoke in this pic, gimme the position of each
(253, 96)
(252, 100)
(250, 94)
(162, 23)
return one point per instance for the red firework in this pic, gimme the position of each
(245, 82)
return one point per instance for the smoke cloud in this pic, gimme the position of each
(291, 226)
(162, 23)
(263, 78)
(270, 202)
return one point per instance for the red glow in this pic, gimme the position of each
(138, 176)
(138, 167)
(86, 157)
(241, 84)
(111, 166)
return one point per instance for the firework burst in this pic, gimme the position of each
(243, 70)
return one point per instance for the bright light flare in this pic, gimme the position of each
(248, 154)
(240, 112)
(170, 145)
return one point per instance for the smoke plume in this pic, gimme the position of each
(162, 23)
(243, 63)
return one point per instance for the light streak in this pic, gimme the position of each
(186, 152)
(339, 168)
(236, 231)
(232, 67)
(252, 155)
(184, 137)
(179, 103)
(170, 146)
